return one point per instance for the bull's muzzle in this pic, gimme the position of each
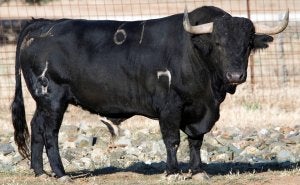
(236, 77)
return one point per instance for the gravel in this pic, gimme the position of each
(87, 148)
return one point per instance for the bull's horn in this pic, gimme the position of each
(199, 29)
(263, 29)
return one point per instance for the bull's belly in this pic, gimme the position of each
(113, 104)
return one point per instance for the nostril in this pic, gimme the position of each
(235, 77)
(228, 76)
(241, 76)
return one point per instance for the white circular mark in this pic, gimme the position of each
(120, 31)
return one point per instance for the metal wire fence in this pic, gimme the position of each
(274, 74)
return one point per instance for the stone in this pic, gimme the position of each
(6, 159)
(242, 144)
(68, 144)
(123, 141)
(96, 154)
(284, 156)
(277, 148)
(126, 133)
(6, 148)
(116, 154)
(290, 141)
(138, 138)
(65, 179)
(133, 151)
(293, 134)
(211, 142)
(224, 157)
(209, 147)
(286, 130)
(65, 162)
(263, 132)
(87, 163)
(293, 139)
(100, 132)
(83, 127)
(201, 177)
(84, 141)
(69, 154)
(234, 149)
(204, 156)
(223, 149)
(17, 158)
(145, 147)
(100, 158)
(158, 148)
(69, 129)
(250, 150)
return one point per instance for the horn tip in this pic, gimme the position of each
(287, 13)
(185, 9)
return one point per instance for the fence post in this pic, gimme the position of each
(282, 72)
(251, 60)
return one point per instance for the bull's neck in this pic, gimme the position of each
(219, 88)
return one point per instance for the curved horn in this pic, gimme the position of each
(199, 29)
(263, 29)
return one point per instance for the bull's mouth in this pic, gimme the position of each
(234, 83)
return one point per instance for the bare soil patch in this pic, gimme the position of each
(131, 178)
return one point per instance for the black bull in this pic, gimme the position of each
(164, 69)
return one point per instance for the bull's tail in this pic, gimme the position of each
(21, 134)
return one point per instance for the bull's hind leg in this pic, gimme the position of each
(37, 143)
(45, 127)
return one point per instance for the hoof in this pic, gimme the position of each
(65, 178)
(44, 177)
(202, 176)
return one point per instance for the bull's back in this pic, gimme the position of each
(103, 76)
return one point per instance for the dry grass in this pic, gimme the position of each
(291, 177)
(243, 109)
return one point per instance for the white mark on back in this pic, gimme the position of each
(45, 70)
(29, 42)
(48, 33)
(142, 33)
(164, 73)
(45, 89)
(26, 42)
(120, 31)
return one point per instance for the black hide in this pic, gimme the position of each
(120, 69)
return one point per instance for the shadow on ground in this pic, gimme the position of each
(212, 168)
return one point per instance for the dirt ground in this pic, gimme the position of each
(131, 178)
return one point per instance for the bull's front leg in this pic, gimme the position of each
(169, 125)
(195, 157)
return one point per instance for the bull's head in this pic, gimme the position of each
(231, 40)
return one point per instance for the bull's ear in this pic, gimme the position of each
(261, 41)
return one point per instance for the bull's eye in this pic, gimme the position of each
(217, 43)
